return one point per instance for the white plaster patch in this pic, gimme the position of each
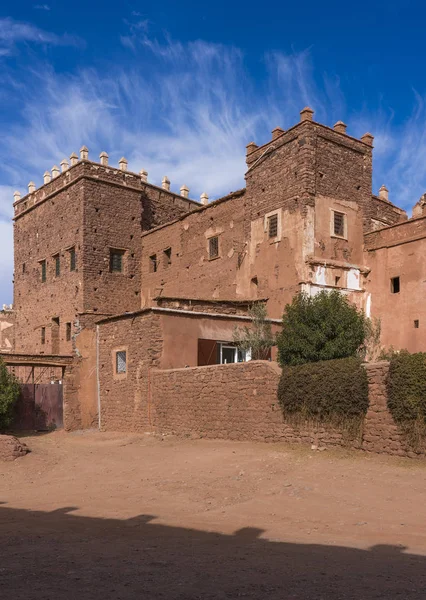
(319, 275)
(368, 306)
(353, 279)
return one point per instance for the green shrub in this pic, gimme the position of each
(406, 390)
(322, 327)
(331, 392)
(9, 393)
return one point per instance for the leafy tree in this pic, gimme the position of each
(322, 327)
(9, 393)
(258, 338)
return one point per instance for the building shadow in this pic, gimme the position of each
(60, 555)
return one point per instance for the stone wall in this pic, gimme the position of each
(239, 402)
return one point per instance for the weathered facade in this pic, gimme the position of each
(129, 276)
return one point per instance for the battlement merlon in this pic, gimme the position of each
(84, 168)
(280, 136)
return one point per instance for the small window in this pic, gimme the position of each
(116, 260)
(273, 226)
(416, 324)
(23, 268)
(68, 331)
(120, 362)
(43, 335)
(395, 285)
(73, 259)
(337, 281)
(153, 263)
(57, 265)
(214, 247)
(43, 270)
(339, 224)
(167, 257)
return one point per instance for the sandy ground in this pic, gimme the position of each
(101, 516)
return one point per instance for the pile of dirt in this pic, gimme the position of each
(11, 448)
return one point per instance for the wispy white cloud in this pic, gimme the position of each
(41, 7)
(13, 33)
(188, 111)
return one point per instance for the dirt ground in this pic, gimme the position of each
(101, 516)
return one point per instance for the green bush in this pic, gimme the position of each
(406, 388)
(323, 327)
(333, 392)
(9, 393)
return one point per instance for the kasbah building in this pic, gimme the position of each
(126, 276)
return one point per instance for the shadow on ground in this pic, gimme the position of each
(61, 555)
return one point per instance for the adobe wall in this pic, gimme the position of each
(48, 228)
(239, 402)
(125, 399)
(236, 402)
(399, 251)
(191, 273)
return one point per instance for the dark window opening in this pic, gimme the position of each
(73, 260)
(120, 361)
(43, 335)
(167, 257)
(153, 263)
(23, 267)
(339, 224)
(273, 226)
(57, 265)
(395, 285)
(116, 260)
(416, 324)
(68, 332)
(336, 280)
(43, 270)
(214, 247)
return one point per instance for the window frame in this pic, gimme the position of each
(57, 258)
(114, 359)
(73, 259)
(333, 233)
(153, 263)
(209, 247)
(43, 268)
(114, 252)
(393, 280)
(167, 257)
(275, 214)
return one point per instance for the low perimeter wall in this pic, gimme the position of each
(239, 402)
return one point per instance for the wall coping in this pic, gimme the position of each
(272, 365)
(180, 312)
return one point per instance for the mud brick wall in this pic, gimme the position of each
(233, 402)
(381, 434)
(125, 398)
(239, 402)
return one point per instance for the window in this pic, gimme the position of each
(339, 224)
(395, 285)
(68, 331)
(116, 260)
(57, 265)
(273, 226)
(73, 259)
(214, 247)
(43, 270)
(337, 281)
(228, 353)
(416, 324)
(23, 268)
(120, 362)
(153, 263)
(43, 335)
(167, 257)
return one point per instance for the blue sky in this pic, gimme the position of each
(179, 88)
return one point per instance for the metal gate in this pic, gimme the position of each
(39, 407)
